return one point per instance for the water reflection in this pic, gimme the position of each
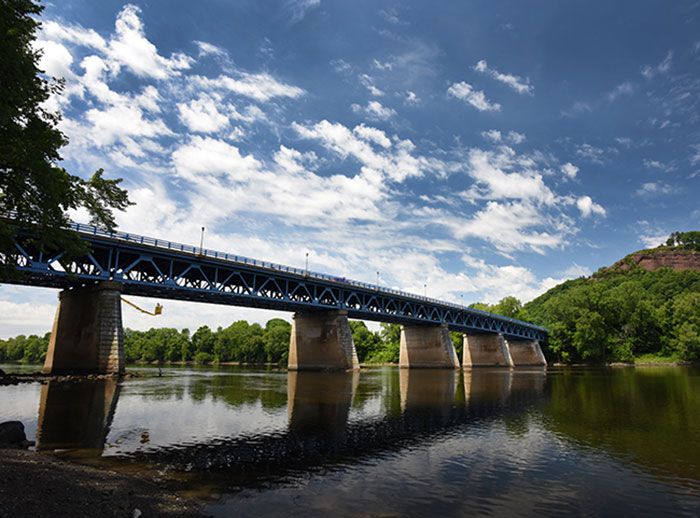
(230, 430)
(76, 416)
(320, 401)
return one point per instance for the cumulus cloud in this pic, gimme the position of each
(569, 170)
(517, 83)
(475, 98)
(374, 110)
(588, 207)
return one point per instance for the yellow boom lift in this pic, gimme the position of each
(157, 311)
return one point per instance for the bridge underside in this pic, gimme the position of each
(87, 337)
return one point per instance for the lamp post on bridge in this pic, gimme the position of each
(306, 268)
(425, 290)
(377, 281)
(201, 242)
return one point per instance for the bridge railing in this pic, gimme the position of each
(83, 228)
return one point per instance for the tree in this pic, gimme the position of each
(32, 184)
(276, 339)
(366, 342)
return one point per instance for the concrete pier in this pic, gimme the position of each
(427, 347)
(485, 350)
(526, 353)
(87, 334)
(322, 340)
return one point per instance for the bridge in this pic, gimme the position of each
(87, 332)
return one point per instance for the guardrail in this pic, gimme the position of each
(86, 229)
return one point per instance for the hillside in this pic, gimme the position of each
(645, 304)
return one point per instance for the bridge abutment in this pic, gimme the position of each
(322, 340)
(87, 334)
(486, 350)
(526, 353)
(427, 347)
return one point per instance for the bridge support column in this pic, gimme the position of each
(87, 335)
(526, 353)
(322, 340)
(427, 347)
(485, 350)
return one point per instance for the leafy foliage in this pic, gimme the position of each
(32, 185)
(617, 316)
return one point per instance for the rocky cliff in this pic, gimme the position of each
(676, 259)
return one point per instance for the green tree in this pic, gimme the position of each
(508, 307)
(32, 184)
(367, 343)
(276, 340)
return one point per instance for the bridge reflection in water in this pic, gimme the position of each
(321, 430)
(74, 417)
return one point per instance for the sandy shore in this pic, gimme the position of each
(38, 484)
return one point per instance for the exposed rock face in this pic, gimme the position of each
(676, 260)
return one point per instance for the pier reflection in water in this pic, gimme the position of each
(76, 416)
(402, 441)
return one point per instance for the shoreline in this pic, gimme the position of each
(40, 484)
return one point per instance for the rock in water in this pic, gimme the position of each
(12, 433)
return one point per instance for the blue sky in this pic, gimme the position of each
(481, 148)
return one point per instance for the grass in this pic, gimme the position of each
(654, 358)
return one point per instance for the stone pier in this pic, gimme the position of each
(87, 335)
(526, 353)
(486, 350)
(427, 347)
(322, 340)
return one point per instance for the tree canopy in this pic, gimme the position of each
(33, 186)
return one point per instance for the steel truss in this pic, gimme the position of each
(161, 269)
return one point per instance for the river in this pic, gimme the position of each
(252, 442)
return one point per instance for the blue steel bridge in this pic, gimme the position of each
(163, 269)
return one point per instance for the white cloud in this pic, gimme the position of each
(515, 138)
(383, 66)
(658, 165)
(202, 115)
(368, 82)
(653, 240)
(620, 90)
(504, 175)
(569, 170)
(517, 83)
(664, 66)
(475, 98)
(512, 137)
(374, 135)
(208, 49)
(492, 135)
(299, 8)
(588, 207)
(374, 110)
(130, 47)
(261, 87)
(655, 189)
(592, 153)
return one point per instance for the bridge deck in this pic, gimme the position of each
(165, 269)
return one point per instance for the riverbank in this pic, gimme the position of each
(38, 484)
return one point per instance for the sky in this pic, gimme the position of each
(467, 150)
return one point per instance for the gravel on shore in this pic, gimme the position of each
(38, 484)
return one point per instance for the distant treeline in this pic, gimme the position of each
(239, 342)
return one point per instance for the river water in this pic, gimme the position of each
(601, 442)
